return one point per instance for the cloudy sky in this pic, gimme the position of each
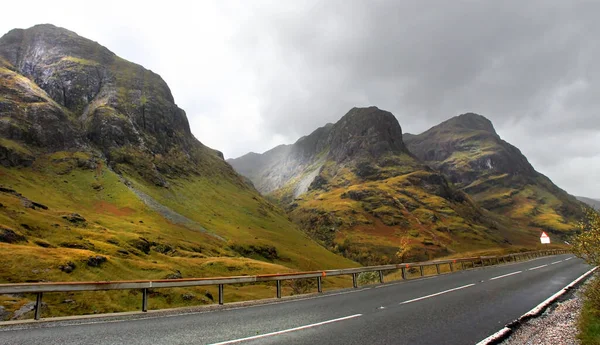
(254, 74)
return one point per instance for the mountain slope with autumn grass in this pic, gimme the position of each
(102, 179)
(496, 175)
(356, 188)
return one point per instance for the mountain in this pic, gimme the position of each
(355, 187)
(97, 161)
(595, 203)
(469, 152)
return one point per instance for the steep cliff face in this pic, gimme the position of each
(97, 99)
(355, 187)
(362, 135)
(496, 174)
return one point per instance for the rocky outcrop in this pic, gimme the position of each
(60, 91)
(363, 134)
(467, 146)
(10, 236)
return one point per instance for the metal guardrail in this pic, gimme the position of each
(144, 285)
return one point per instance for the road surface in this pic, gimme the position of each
(459, 308)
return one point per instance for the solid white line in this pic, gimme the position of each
(492, 339)
(555, 262)
(287, 330)
(506, 275)
(437, 294)
(535, 268)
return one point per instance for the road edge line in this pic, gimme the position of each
(502, 334)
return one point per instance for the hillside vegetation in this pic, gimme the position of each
(101, 179)
(496, 175)
(355, 187)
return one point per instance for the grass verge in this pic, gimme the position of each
(589, 320)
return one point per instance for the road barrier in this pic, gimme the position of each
(144, 285)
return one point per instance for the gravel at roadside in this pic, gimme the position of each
(556, 326)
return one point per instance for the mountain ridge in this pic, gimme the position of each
(370, 197)
(495, 173)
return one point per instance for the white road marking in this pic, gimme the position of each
(505, 275)
(555, 262)
(535, 268)
(287, 330)
(567, 259)
(437, 294)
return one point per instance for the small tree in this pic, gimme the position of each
(403, 249)
(586, 244)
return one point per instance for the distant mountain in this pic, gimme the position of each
(469, 152)
(96, 159)
(355, 186)
(595, 203)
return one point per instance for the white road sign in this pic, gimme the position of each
(545, 238)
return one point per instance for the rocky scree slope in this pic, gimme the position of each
(469, 152)
(97, 160)
(355, 187)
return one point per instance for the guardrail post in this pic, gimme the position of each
(221, 294)
(437, 268)
(354, 280)
(38, 306)
(144, 300)
(319, 285)
(497, 260)
(462, 265)
(421, 270)
(278, 288)
(452, 267)
(381, 277)
(403, 269)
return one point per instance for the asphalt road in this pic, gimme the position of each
(459, 308)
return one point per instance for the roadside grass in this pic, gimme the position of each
(589, 320)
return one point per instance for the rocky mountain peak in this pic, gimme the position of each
(365, 132)
(59, 87)
(469, 121)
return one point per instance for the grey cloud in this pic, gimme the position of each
(531, 67)
(252, 75)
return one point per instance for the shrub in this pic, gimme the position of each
(368, 277)
(586, 245)
(302, 286)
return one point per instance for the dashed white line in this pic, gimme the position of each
(437, 294)
(287, 330)
(555, 262)
(506, 275)
(567, 259)
(535, 268)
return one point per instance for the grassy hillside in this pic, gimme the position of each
(401, 212)
(91, 213)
